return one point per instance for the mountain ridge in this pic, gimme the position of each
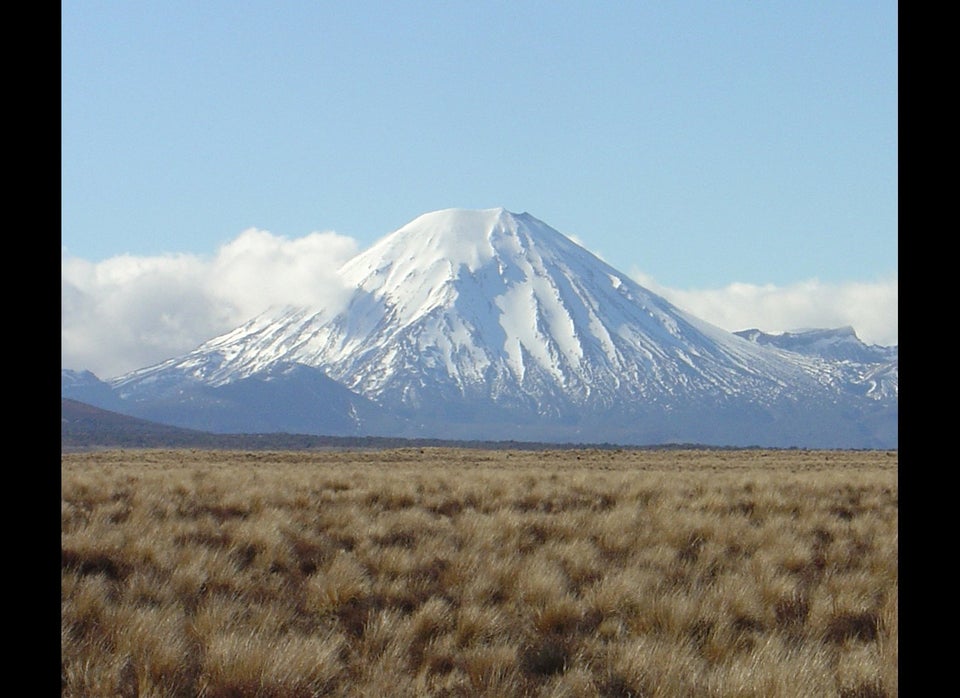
(492, 324)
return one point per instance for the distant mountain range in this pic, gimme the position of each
(840, 344)
(490, 325)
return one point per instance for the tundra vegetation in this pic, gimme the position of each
(459, 572)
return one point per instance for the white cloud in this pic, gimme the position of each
(870, 308)
(258, 270)
(130, 312)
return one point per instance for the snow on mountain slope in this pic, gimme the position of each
(855, 363)
(486, 315)
(839, 344)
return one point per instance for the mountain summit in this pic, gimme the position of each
(488, 324)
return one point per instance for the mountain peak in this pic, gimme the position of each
(440, 245)
(460, 218)
(840, 343)
(487, 323)
(455, 235)
(415, 268)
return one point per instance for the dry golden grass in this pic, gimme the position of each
(442, 572)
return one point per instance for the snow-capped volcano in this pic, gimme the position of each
(491, 324)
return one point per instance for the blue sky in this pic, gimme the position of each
(696, 145)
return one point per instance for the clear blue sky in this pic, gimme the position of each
(703, 143)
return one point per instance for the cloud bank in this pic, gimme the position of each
(126, 313)
(870, 308)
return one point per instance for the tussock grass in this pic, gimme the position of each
(442, 572)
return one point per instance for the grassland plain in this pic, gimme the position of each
(459, 572)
